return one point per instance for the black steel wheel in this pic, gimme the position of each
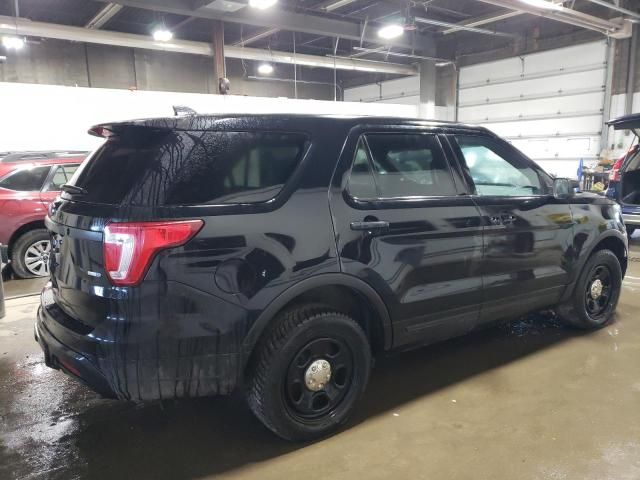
(318, 378)
(596, 293)
(307, 372)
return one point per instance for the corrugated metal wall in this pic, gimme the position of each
(548, 104)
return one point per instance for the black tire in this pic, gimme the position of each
(19, 252)
(276, 390)
(583, 310)
(630, 230)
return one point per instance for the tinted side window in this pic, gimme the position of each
(146, 167)
(497, 171)
(361, 184)
(409, 165)
(61, 176)
(27, 180)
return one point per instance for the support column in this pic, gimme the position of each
(631, 74)
(219, 70)
(427, 106)
(606, 111)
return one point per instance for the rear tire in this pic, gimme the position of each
(595, 294)
(30, 254)
(286, 384)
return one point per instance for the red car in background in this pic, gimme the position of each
(29, 181)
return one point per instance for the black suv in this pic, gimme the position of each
(196, 254)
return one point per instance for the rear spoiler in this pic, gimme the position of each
(627, 122)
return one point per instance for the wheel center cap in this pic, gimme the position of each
(317, 375)
(596, 289)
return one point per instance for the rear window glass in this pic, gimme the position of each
(27, 180)
(147, 167)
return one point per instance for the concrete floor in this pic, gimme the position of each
(531, 400)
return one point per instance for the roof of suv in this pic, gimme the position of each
(277, 121)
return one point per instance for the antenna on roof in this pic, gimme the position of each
(182, 110)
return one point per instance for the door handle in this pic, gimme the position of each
(508, 219)
(373, 225)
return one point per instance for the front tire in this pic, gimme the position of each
(308, 371)
(596, 293)
(30, 254)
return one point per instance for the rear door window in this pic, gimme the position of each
(26, 180)
(400, 165)
(147, 167)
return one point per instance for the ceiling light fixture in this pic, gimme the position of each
(15, 43)
(162, 35)
(543, 4)
(262, 4)
(390, 31)
(265, 69)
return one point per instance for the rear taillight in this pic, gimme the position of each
(614, 174)
(129, 248)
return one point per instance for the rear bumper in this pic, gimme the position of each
(60, 357)
(631, 219)
(149, 366)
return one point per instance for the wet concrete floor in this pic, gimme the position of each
(530, 400)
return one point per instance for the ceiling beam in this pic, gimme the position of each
(439, 23)
(283, 19)
(479, 21)
(257, 36)
(22, 26)
(105, 14)
(561, 14)
(617, 8)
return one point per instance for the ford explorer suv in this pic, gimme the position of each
(28, 182)
(278, 254)
(624, 179)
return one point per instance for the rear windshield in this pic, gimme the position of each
(142, 167)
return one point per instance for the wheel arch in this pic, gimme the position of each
(609, 240)
(614, 241)
(346, 293)
(27, 227)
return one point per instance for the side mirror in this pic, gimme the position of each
(564, 187)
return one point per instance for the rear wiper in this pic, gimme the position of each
(73, 189)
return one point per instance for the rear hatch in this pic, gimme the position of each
(629, 188)
(153, 174)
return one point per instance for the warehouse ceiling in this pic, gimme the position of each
(347, 28)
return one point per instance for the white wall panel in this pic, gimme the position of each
(384, 91)
(548, 128)
(42, 117)
(547, 106)
(551, 85)
(567, 127)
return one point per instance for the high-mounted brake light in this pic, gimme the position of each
(130, 247)
(100, 131)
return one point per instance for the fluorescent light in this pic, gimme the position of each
(543, 4)
(13, 42)
(390, 31)
(262, 4)
(162, 35)
(265, 69)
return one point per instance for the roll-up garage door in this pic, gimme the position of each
(548, 104)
